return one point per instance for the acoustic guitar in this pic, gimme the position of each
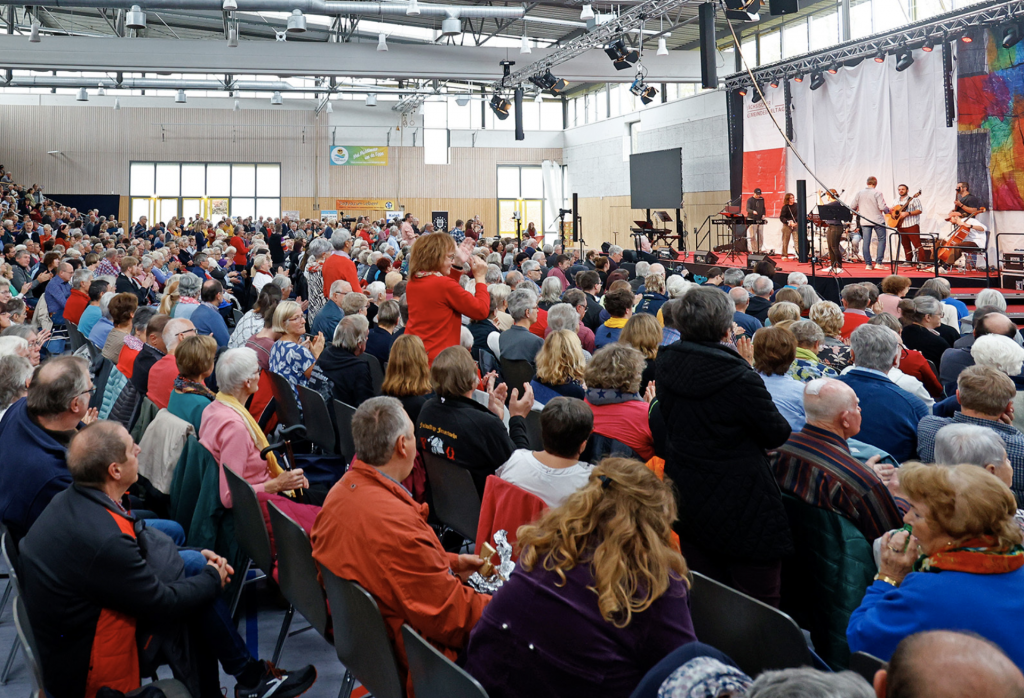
(892, 219)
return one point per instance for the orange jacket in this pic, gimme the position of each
(76, 305)
(339, 268)
(372, 532)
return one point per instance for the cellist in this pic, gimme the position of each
(969, 232)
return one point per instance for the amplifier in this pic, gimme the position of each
(705, 257)
(1013, 261)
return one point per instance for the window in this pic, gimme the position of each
(860, 20)
(168, 179)
(824, 31)
(193, 180)
(161, 190)
(888, 14)
(435, 133)
(634, 137)
(520, 188)
(143, 177)
(551, 116)
(749, 50)
(771, 47)
(794, 38)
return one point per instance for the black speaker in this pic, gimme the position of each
(519, 114)
(705, 257)
(783, 7)
(753, 259)
(708, 50)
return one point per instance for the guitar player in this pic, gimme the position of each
(909, 224)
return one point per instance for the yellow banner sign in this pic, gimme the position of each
(365, 204)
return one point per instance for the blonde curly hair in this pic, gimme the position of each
(616, 366)
(561, 359)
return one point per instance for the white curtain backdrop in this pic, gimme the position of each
(552, 175)
(871, 120)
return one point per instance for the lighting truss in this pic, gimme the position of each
(946, 27)
(599, 37)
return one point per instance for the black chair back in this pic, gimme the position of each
(517, 374)
(317, 419)
(75, 336)
(250, 529)
(12, 558)
(360, 637)
(533, 430)
(756, 636)
(456, 501)
(433, 674)
(288, 414)
(28, 646)
(343, 421)
(867, 665)
(376, 373)
(296, 571)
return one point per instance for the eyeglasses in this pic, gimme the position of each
(89, 392)
(191, 330)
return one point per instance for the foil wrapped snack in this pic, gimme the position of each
(490, 578)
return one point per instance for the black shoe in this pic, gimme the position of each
(279, 683)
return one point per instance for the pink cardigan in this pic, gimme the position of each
(224, 434)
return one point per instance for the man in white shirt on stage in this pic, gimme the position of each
(870, 205)
(976, 236)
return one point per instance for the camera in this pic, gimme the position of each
(517, 216)
(348, 219)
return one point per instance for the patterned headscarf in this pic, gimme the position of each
(704, 677)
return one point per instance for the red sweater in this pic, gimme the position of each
(913, 363)
(852, 321)
(339, 268)
(77, 302)
(240, 250)
(436, 307)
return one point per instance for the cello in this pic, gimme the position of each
(948, 246)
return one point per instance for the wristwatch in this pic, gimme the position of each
(887, 579)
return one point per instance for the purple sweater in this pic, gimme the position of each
(544, 641)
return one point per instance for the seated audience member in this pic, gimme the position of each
(761, 292)
(712, 453)
(103, 325)
(963, 525)
(194, 358)
(235, 438)
(568, 315)
(207, 318)
(598, 584)
(619, 304)
(555, 472)
(986, 395)
(92, 313)
(923, 333)
(263, 341)
(643, 333)
(328, 317)
(78, 301)
(855, 301)
(407, 377)
(806, 366)
(15, 375)
(947, 664)
(748, 323)
(783, 313)
(165, 370)
(517, 343)
(252, 321)
(190, 287)
(914, 374)
(560, 367)
(34, 436)
(654, 295)
(454, 426)
(382, 335)
(669, 333)
(590, 283)
(890, 414)
(293, 355)
(835, 351)
(89, 587)
(501, 292)
(988, 320)
(816, 466)
(31, 347)
(372, 532)
(893, 289)
(152, 351)
(122, 308)
(135, 340)
(774, 353)
(613, 393)
(956, 444)
(550, 293)
(341, 372)
(485, 332)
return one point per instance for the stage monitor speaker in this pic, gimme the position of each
(705, 257)
(783, 7)
(708, 48)
(753, 259)
(520, 135)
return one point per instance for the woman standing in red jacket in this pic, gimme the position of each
(436, 300)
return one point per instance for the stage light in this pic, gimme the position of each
(743, 10)
(180, 97)
(371, 100)
(622, 57)
(549, 82)
(904, 59)
(798, 77)
(662, 47)
(276, 100)
(135, 18)
(929, 46)
(774, 83)
(587, 13)
(524, 45)
(648, 94)
(967, 38)
(33, 37)
(296, 22)
(117, 105)
(742, 92)
(500, 106)
(756, 98)
(1012, 36)
(382, 42)
(880, 56)
(82, 96)
(833, 68)
(817, 80)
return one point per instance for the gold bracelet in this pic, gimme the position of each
(887, 579)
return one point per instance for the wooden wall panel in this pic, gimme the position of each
(606, 216)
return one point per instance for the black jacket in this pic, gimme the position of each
(468, 434)
(125, 285)
(340, 375)
(592, 318)
(80, 566)
(148, 356)
(932, 344)
(481, 329)
(718, 421)
(759, 308)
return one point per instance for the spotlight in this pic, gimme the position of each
(833, 68)
(646, 93)
(229, 5)
(500, 106)
(1012, 36)
(382, 42)
(524, 45)
(276, 100)
(547, 81)
(180, 97)
(817, 80)
(799, 77)
(743, 10)
(135, 18)
(622, 57)
(904, 59)
(774, 83)
(330, 107)
(237, 107)
(880, 56)
(82, 95)
(967, 38)
(587, 13)
(929, 46)
(742, 92)
(296, 22)
(371, 100)
(662, 48)
(33, 37)
(413, 9)
(117, 104)
(756, 98)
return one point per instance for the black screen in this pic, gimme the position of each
(656, 179)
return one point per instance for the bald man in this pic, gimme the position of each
(946, 664)
(955, 360)
(816, 465)
(748, 323)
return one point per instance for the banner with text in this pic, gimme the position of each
(365, 205)
(358, 155)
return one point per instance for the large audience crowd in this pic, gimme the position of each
(628, 425)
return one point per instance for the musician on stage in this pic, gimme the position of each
(756, 212)
(871, 206)
(833, 237)
(976, 234)
(909, 224)
(788, 216)
(967, 203)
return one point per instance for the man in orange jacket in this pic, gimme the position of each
(371, 531)
(339, 266)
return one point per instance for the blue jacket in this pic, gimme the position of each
(991, 605)
(33, 469)
(209, 321)
(327, 320)
(748, 322)
(605, 335)
(57, 293)
(889, 414)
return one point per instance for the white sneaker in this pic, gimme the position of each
(879, 267)
(868, 267)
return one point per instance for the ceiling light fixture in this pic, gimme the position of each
(904, 59)
(413, 9)
(382, 42)
(135, 18)
(451, 26)
(297, 22)
(524, 45)
(500, 106)
(117, 104)
(237, 107)
(276, 99)
(622, 57)
(662, 47)
(33, 37)
(82, 96)
(817, 80)
(539, 99)
(180, 97)
(232, 38)
(462, 100)
(330, 107)
(588, 12)
(371, 100)
(102, 92)
(229, 5)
